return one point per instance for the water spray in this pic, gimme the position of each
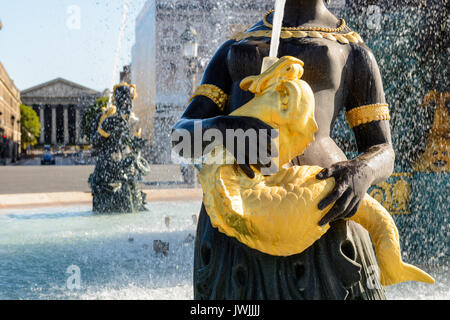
(276, 33)
(118, 49)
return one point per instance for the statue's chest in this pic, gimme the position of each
(324, 59)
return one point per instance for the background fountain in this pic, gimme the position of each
(116, 180)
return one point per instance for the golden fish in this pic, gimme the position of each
(278, 214)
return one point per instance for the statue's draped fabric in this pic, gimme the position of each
(340, 265)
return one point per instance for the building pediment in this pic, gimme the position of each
(59, 88)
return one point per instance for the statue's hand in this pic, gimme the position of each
(352, 182)
(258, 148)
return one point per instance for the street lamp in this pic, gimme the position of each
(189, 40)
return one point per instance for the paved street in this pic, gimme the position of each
(37, 179)
(60, 161)
(31, 177)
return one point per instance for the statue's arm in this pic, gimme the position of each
(373, 138)
(202, 112)
(367, 113)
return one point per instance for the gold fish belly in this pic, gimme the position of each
(279, 215)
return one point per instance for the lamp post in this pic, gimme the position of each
(189, 40)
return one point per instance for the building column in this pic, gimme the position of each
(66, 124)
(53, 125)
(42, 120)
(77, 125)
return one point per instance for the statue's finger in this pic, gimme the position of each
(247, 170)
(346, 209)
(325, 174)
(335, 212)
(341, 205)
(353, 208)
(338, 191)
(330, 216)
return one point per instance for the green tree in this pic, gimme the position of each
(91, 114)
(30, 126)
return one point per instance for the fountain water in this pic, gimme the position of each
(118, 49)
(38, 245)
(276, 32)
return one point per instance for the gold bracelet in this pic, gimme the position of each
(368, 113)
(217, 95)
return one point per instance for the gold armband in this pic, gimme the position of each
(212, 92)
(369, 113)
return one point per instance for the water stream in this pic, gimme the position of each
(276, 29)
(126, 7)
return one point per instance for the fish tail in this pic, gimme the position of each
(381, 227)
(405, 273)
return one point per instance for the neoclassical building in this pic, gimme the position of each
(60, 104)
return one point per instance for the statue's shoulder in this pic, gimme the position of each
(256, 30)
(361, 56)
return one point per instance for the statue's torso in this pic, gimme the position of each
(326, 70)
(335, 266)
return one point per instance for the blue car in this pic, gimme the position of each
(48, 157)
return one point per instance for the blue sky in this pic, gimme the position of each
(45, 39)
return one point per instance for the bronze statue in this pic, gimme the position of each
(115, 182)
(343, 75)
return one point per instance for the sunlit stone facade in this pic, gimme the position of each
(9, 114)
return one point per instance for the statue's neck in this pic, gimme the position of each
(300, 12)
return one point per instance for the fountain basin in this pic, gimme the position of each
(114, 255)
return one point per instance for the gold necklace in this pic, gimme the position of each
(320, 29)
